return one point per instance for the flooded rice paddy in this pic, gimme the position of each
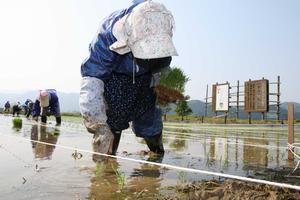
(32, 169)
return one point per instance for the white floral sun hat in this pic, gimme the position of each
(147, 32)
(44, 98)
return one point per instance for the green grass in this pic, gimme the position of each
(68, 117)
(71, 114)
(221, 120)
(72, 117)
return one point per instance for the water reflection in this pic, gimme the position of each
(238, 154)
(178, 144)
(104, 184)
(260, 155)
(43, 134)
(145, 181)
(248, 152)
(234, 151)
(256, 156)
(114, 180)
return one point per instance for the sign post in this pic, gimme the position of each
(291, 136)
(256, 97)
(220, 99)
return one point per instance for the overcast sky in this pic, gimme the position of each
(43, 42)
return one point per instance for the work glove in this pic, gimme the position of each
(92, 104)
(103, 140)
(93, 110)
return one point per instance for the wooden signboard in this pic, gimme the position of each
(213, 103)
(256, 96)
(220, 97)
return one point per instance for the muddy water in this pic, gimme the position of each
(33, 170)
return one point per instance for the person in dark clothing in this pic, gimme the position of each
(130, 50)
(16, 109)
(28, 107)
(7, 107)
(47, 104)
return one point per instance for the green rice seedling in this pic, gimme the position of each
(100, 167)
(120, 178)
(182, 178)
(226, 164)
(17, 122)
(209, 160)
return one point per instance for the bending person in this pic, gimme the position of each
(126, 57)
(47, 104)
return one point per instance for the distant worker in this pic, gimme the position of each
(16, 109)
(28, 105)
(7, 107)
(126, 57)
(45, 105)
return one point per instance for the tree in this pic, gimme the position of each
(165, 109)
(183, 109)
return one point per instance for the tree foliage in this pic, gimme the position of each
(183, 109)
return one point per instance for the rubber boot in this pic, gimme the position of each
(44, 119)
(155, 144)
(58, 121)
(116, 141)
